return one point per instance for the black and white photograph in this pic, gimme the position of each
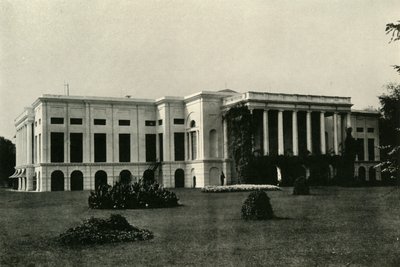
(200, 133)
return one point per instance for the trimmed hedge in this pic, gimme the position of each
(100, 231)
(257, 207)
(301, 186)
(132, 196)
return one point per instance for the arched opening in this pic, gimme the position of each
(213, 144)
(331, 172)
(179, 178)
(125, 177)
(214, 176)
(361, 173)
(39, 182)
(148, 176)
(34, 182)
(193, 175)
(76, 181)
(278, 175)
(57, 181)
(372, 174)
(100, 178)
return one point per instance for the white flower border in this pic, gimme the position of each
(239, 188)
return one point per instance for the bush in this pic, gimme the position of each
(99, 231)
(257, 207)
(132, 196)
(301, 187)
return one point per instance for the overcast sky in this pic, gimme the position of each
(150, 49)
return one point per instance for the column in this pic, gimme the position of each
(348, 120)
(308, 122)
(322, 132)
(280, 133)
(225, 126)
(265, 133)
(335, 134)
(29, 170)
(295, 138)
(19, 183)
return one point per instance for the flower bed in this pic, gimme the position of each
(100, 231)
(239, 188)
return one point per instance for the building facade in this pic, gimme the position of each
(77, 143)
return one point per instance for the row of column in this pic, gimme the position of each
(295, 139)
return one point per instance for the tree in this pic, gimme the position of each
(394, 30)
(7, 159)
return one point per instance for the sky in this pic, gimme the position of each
(150, 49)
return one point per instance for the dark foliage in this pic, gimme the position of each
(7, 160)
(132, 196)
(257, 207)
(99, 231)
(301, 186)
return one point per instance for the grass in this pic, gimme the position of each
(333, 226)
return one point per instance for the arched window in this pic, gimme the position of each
(179, 178)
(57, 181)
(76, 181)
(148, 176)
(361, 173)
(125, 177)
(213, 144)
(100, 178)
(192, 124)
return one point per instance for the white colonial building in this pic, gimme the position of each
(76, 143)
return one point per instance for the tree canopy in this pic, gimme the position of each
(7, 159)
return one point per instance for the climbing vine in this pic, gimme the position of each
(240, 130)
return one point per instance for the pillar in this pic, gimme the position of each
(348, 120)
(335, 134)
(295, 138)
(280, 133)
(322, 132)
(225, 126)
(29, 170)
(308, 122)
(265, 133)
(19, 183)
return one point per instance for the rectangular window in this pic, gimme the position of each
(150, 123)
(161, 146)
(99, 122)
(159, 122)
(40, 148)
(360, 149)
(35, 150)
(124, 122)
(360, 129)
(179, 121)
(75, 121)
(124, 147)
(193, 138)
(76, 147)
(179, 143)
(57, 120)
(371, 149)
(370, 130)
(151, 147)
(100, 147)
(56, 147)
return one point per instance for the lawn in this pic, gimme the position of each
(334, 226)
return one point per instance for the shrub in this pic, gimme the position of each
(99, 231)
(301, 186)
(257, 207)
(132, 196)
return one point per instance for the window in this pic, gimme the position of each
(179, 121)
(179, 143)
(76, 147)
(150, 123)
(360, 129)
(75, 121)
(360, 149)
(371, 149)
(370, 130)
(151, 147)
(124, 122)
(40, 148)
(35, 123)
(40, 121)
(124, 147)
(161, 146)
(57, 147)
(99, 122)
(57, 120)
(193, 145)
(192, 124)
(159, 122)
(100, 147)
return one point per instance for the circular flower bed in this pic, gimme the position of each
(99, 231)
(239, 188)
